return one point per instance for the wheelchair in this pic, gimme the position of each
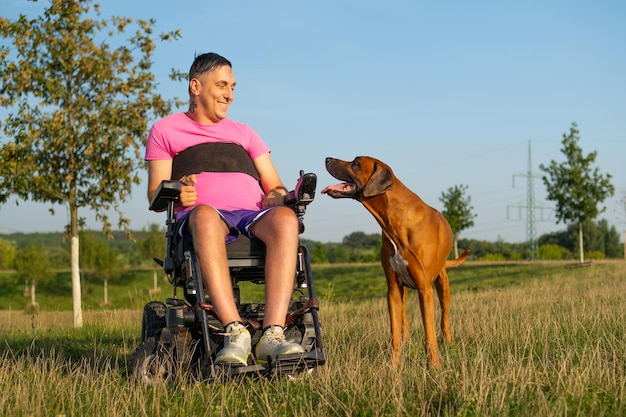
(182, 336)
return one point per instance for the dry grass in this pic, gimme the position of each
(554, 345)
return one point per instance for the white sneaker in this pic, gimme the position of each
(273, 344)
(237, 346)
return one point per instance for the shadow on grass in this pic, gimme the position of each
(100, 352)
(106, 339)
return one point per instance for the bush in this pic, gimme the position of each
(493, 257)
(553, 252)
(594, 255)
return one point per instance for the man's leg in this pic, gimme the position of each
(209, 231)
(279, 230)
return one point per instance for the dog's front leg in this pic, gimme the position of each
(396, 299)
(396, 317)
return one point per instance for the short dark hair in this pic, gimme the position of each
(206, 63)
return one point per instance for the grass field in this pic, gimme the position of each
(529, 340)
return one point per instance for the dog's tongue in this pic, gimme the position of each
(341, 188)
(331, 188)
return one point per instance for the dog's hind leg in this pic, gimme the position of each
(442, 284)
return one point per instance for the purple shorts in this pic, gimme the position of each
(238, 222)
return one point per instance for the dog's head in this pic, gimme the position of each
(364, 177)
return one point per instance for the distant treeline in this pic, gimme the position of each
(601, 241)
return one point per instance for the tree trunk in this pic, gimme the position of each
(106, 292)
(76, 293)
(33, 300)
(156, 286)
(580, 242)
(456, 248)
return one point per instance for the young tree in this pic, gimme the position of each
(153, 246)
(81, 110)
(109, 266)
(458, 211)
(32, 265)
(575, 186)
(101, 260)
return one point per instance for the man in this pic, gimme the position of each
(215, 207)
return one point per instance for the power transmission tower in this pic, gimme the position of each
(532, 251)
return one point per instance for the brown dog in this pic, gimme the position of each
(417, 240)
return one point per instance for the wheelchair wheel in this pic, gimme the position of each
(150, 364)
(153, 319)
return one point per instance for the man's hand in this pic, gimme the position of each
(275, 197)
(188, 193)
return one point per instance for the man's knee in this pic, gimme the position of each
(205, 217)
(280, 222)
(286, 219)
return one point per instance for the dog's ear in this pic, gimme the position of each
(380, 181)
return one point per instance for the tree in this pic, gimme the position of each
(612, 246)
(318, 254)
(362, 240)
(7, 254)
(32, 265)
(101, 260)
(598, 238)
(622, 205)
(458, 212)
(575, 186)
(108, 266)
(151, 246)
(337, 253)
(81, 110)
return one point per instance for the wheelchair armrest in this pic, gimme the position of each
(167, 192)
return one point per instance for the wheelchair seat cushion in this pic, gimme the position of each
(246, 248)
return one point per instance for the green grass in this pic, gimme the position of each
(332, 282)
(529, 340)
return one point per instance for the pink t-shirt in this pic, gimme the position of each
(222, 190)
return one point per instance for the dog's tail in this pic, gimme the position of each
(458, 261)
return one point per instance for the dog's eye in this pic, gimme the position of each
(355, 164)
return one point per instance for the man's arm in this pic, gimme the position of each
(160, 170)
(270, 180)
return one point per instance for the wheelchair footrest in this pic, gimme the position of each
(285, 365)
(297, 362)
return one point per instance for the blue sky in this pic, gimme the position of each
(446, 93)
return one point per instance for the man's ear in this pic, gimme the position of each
(380, 181)
(194, 86)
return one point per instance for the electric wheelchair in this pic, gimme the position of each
(182, 336)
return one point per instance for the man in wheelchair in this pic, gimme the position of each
(229, 188)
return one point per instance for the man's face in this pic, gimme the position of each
(215, 91)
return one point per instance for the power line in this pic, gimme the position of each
(531, 206)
